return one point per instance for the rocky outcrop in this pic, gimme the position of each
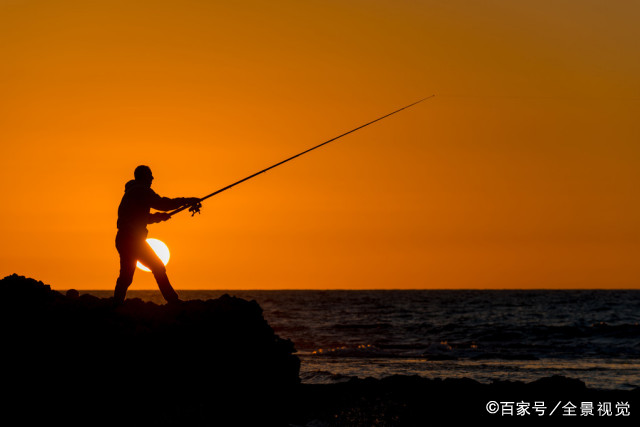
(415, 401)
(77, 357)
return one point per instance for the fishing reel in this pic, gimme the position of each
(195, 208)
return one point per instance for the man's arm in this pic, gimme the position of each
(167, 204)
(157, 217)
(163, 216)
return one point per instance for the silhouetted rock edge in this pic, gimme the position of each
(77, 358)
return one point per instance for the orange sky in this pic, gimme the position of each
(522, 172)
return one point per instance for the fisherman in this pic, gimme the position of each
(133, 217)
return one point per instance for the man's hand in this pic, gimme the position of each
(188, 201)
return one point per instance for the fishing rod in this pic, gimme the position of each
(195, 208)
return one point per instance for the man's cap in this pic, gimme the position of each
(142, 172)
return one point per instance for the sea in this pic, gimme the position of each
(485, 335)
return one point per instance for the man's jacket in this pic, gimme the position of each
(134, 210)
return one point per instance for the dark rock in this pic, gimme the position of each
(417, 401)
(82, 360)
(81, 357)
(72, 294)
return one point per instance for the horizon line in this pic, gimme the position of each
(368, 289)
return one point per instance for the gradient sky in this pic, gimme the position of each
(522, 172)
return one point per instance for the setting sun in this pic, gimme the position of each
(160, 249)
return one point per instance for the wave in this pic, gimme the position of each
(323, 377)
(363, 326)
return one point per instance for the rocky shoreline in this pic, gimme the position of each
(79, 359)
(416, 401)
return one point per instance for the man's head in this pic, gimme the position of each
(143, 174)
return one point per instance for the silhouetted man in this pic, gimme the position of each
(133, 217)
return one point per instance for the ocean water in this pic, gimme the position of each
(486, 335)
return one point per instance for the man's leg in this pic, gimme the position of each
(127, 268)
(149, 259)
